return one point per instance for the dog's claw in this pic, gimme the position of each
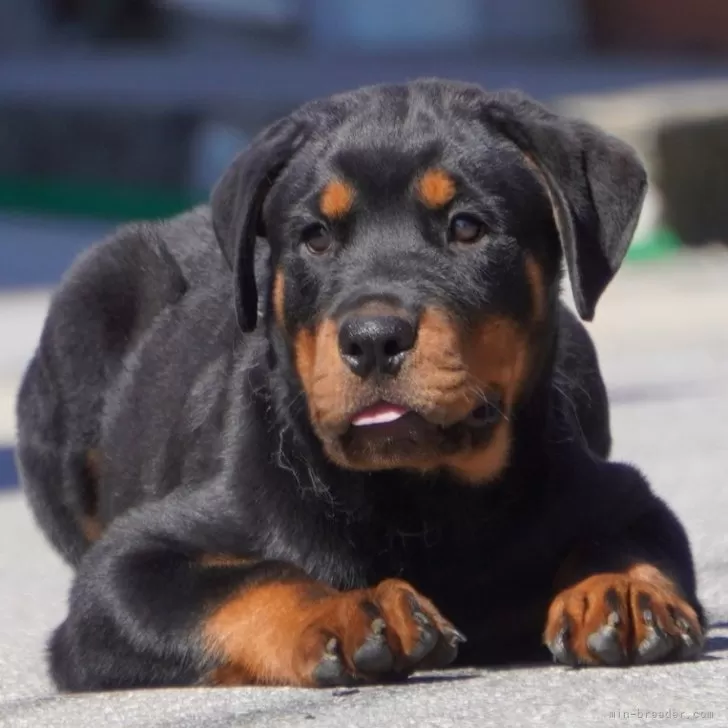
(655, 646)
(446, 647)
(560, 648)
(421, 618)
(614, 620)
(330, 672)
(689, 647)
(605, 645)
(454, 636)
(691, 644)
(427, 638)
(374, 656)
(378, 626)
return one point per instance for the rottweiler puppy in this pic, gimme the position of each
(336, 426)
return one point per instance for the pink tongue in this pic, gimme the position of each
(380, 414)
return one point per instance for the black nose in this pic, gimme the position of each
(375, 343)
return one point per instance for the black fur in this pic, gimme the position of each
(203, 433)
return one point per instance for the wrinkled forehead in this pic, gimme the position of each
(391, 151)
(382, 148)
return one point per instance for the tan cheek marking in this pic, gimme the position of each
(436, 188)
(304, 348)
(336, 200)
(537, 285)
(437, 334)
(333, 382)
(279, 301)
(494, 353)
(436, 373)
(446, 360)
(327, 381)
(498, 353)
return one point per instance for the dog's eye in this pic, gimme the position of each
(465, 228)
(316, 238)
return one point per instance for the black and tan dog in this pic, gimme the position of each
(382, 425)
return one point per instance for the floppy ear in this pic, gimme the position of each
(237, 201)
(595, 181)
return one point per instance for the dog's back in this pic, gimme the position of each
(99, 314)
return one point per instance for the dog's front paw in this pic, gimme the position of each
(623, 618)
(304, 634)
(377, 634)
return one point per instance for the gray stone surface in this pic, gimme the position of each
(663, 340)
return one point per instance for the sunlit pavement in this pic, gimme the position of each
(662, 333)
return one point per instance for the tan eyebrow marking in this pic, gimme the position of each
(336, 200)
(436, 188)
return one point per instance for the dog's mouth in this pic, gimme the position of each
(391, 428)
(382, 413)
(384, 417)
(385, 422)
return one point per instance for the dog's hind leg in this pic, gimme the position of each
(106, 301)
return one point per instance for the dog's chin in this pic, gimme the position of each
(410, 441)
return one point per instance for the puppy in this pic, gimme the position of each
(323, 430)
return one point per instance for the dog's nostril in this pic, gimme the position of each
(355, 350)
(392, 348)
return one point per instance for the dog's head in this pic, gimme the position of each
(416, 237)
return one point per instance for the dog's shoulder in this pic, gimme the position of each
(133, 267)
(577, 383)
(190, 241)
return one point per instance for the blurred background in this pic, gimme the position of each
(119, 109)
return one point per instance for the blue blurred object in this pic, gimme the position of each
(8, 473)
(38, 251)
(384, 26)
(380, 24)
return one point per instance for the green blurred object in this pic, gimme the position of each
(660, 242)
(86, 199)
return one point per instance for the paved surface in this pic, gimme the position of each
(663, 340)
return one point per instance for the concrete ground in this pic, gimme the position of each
(663, 338)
